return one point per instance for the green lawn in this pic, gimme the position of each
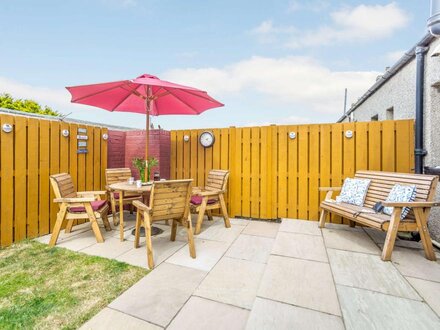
(54, 288)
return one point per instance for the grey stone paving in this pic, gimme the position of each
(265, 275)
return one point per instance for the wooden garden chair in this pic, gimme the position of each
(115, 175)
(169, 200)
(211, 197)
(77, 205)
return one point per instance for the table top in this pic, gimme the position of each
(125, 186)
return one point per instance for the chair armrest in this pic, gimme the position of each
(141, 206)
(209, 193)
(330, 188)
(410, 204)
(74, 200)
(96, 192)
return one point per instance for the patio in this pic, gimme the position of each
(265, 275)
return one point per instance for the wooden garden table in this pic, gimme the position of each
(125, 187)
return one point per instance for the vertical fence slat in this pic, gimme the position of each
(282, 172)
(314, 172)
(54, 167)
(7, 182)
(173, 152)
(20, 178)
(97, 137)
(388, 146)
(255, 172)
(246, 174)
(303, 171)
(32, 182)
(292, 174)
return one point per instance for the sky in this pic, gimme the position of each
(269, 62)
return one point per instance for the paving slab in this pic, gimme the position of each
(199, 313)
(162, 249)
(208, 253)
(379, 236)
(363, 309)
(76, 242)
(262, 228)
(112, 319)
(160, 295)
(221, 233)
(236, 221)
(302, 246)
(369, 272)
(251, 248)
(429, 291)
(300, 282)
(349, 240)
(412, 262)
(111, 248)
(300, 227)
(340, 226)
(232, 281)
(269, 314)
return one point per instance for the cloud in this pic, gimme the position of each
(266, 32)
(394, 56)
(351, 24)
(293, 81)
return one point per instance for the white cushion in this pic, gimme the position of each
(401, 193)
(354, 191)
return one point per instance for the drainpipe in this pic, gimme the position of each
(419, 151)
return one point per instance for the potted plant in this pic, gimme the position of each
(139, 163)
(152, 162)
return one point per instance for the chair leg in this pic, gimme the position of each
(209, 213)
(322, 219)
(113, 206)
(224, 211)
(391, 234)
(131, 208)
(105, 221)
(189, 230)
(147, 225)
(69, 226)
(421, 217)
(201, 214)
(352, 223)
(94, 223)
(137, 229)
(56, 230)
(173, 230)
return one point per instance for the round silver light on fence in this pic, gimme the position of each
(186, 138)
(348, 134)
(292, 135)
(65, 132)
(105, 136)
(7, 128)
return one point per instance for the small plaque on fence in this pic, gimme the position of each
(82, 130)
(82, 137)
(82, 151)
(82, 144)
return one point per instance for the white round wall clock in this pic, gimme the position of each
(206, 139)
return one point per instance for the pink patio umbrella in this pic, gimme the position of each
(145, 94)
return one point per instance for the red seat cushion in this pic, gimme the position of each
(197, 200)
(96, 205)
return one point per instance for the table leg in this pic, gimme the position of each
(121, 215)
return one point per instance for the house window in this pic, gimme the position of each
(390, 113)
(375, 117)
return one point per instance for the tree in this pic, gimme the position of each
(8, 102)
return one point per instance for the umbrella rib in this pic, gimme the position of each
(96, 93)
(178, 98)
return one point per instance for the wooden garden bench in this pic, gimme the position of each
(378, 190)
(210, 197)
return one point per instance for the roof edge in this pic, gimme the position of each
(403, 61)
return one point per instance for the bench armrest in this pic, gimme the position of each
(208, 193)
(141, 206)
(330, 188)
(74, 200)
(410, 204)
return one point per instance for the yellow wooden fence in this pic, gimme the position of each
(274, 176)
(30, 153)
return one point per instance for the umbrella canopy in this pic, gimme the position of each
(146, 94)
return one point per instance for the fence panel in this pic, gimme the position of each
(273, 175)
(30, 153)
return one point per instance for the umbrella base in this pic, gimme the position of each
(154, 231)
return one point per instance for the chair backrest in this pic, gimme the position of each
(217, 180)
(115, 175)
(382, 183)
(170, 199)
(62, 185)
